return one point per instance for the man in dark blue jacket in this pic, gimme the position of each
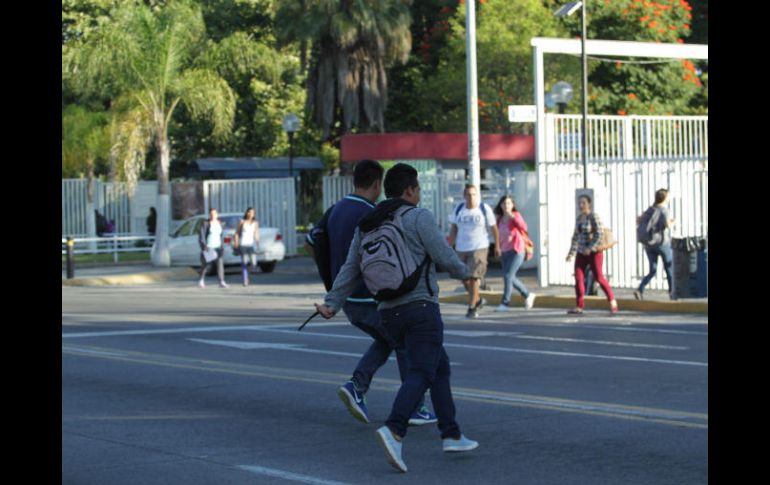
(360, 307)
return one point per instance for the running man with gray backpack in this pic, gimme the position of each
(392, 253)
(652, 232)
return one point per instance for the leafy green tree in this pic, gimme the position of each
(504, 64)
(85, 151)
(641, 86)
(145, 56)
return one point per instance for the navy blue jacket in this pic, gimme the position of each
(341, 226)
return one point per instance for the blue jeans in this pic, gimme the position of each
(417, 327)
(367, 319)
(512, 261)
(665, 253)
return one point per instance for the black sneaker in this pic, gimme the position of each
(472, 313)
(480, 304)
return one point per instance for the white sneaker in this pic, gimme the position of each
(392, 448)
(201, 284)
(222, 284)
(461, 444)
(530, 301)
(503, 308)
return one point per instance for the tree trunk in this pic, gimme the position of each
(90, 214)
(160, 249)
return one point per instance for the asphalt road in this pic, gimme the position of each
(171, 384)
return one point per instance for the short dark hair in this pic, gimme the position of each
(366, 173)
(398, 179)
(586, 197)
(469, 186)
(661, 195)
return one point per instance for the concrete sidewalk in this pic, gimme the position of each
(129, 274)
(564, 296)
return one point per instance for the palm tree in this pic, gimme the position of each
(353, 42)
(144, 59)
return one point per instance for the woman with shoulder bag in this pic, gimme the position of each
(246, 240)
(512, 229)
(587, 241)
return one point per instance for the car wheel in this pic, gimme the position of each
(267, 267)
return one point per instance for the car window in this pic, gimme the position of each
(197, 227)
(184, 229)
(230, 222)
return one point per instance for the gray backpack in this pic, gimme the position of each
(387, 265)
(647, 231)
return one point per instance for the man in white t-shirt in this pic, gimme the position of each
(470, 222)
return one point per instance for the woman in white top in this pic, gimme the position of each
(246, 240)
(212, 246)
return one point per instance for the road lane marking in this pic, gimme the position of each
(508, 349)
(620, 411)
(114, 333)
(602, 342)
(294, 477)
(290, 347)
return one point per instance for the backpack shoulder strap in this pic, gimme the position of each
(459, 208)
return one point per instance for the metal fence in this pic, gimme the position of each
(442, 192)
(274, 201)
(115, 244)
(629, 158)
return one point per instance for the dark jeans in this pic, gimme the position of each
(367, 319)
(666, 254)
(512, 261)
(418, 327)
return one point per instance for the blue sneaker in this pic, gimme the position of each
(460, 444)
(422, 416)
(354, 401)
(392, 448)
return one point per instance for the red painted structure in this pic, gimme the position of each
(435, 146)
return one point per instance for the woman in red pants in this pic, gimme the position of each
(585, 241)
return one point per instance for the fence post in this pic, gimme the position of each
(70, 259)
(114, 248)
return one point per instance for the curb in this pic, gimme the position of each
(133, 279)
(591, 302)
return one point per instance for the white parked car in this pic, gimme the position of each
(185, 250)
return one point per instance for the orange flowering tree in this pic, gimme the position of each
(636, 85)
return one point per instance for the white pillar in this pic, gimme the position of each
(542, 200)
(474, 163)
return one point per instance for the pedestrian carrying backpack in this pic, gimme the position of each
(322, 251)
(481, 206)
(387, 265)
(646, 230)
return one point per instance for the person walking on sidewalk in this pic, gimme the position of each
(408, 307)
(245, 242)
(470, 221)
(511, 226)
(360, 308)
(585, 243)
(210, 239)
(653, 232)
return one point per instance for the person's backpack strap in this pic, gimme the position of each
(458, 209)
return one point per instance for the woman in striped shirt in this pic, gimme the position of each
(585, 243)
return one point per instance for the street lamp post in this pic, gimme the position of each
(566, 11)
(561, 94)
(290, 125)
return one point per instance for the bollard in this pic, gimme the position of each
(70, 259)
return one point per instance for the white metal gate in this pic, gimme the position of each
(442, 192)
(110, 199)
(629, 158)
(274, 201)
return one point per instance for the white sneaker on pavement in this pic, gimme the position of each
(460, 444)
(201, 283)
(530, 301)
(392, 448)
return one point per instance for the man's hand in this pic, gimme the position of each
(498, 253)
(326, 311)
